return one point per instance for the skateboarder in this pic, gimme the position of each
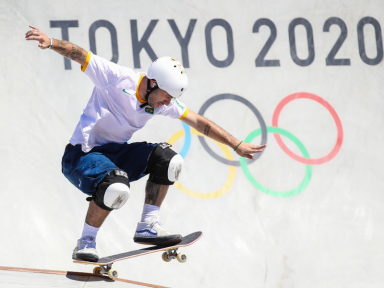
(99, 161)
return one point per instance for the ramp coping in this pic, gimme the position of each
(56, 272)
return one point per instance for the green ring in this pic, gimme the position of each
(308, 168)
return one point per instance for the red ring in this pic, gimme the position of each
(335, 117)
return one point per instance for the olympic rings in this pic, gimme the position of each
(219, 97)
(335, 117)
(305, 159)
(308, 168)
(232, 170)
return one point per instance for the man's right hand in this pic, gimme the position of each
(38, 35)
(65, 48)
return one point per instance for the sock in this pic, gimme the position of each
(89, 230)
(149, 211)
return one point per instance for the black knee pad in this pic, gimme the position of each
(164, 165)
(117, 195)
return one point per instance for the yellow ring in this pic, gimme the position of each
(231, 175)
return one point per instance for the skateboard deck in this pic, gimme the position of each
(105, 263)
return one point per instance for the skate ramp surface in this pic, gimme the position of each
(305, 77)
(21, 277)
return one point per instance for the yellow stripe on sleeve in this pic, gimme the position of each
(137, 90)
(83, 67)
(185, 114)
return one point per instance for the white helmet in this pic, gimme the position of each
(170, 75)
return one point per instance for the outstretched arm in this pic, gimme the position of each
(65, 48)
(210, 129)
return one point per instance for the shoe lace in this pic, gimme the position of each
(88, 241)
(157, 221)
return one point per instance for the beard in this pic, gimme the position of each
(152, 103)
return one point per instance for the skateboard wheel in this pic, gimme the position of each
(165, 257)
(113, 274)
(97, 270)
(182, 257)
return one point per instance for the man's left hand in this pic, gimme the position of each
(246, 150)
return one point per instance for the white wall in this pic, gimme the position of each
(329, 235)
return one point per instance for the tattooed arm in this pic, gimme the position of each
(62, 47)
(210, 129)
(214, 131)
(69, 50)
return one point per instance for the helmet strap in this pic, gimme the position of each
(149, 91)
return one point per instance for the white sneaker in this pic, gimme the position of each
(153, 232)
(86, 250)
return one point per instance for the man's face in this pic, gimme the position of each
(159, 98)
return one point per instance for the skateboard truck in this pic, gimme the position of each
(107, 271)
(172, 254)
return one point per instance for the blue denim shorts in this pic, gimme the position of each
(86, 170)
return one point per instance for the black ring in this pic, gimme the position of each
(263, 127)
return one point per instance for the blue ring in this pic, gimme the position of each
(187, 140)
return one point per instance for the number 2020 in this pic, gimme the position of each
(330, 60)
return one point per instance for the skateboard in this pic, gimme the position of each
(170, 252)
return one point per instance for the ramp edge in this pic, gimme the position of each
(56, 272)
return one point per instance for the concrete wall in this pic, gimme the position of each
(285, 221)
